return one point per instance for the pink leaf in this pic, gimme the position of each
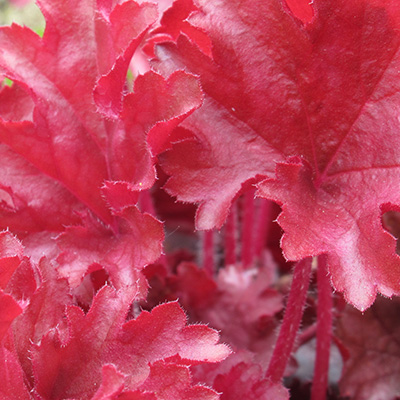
(23, 282)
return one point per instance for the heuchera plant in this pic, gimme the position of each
(120, 120)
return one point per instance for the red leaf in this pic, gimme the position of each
(241, 304)
(11, 253)
(59, 140)
(31, 201)
(66, 138)
(372, 371)
(45, 311)
(205, 171)
(149, 114)
(361, 254)
(165, 327)
(9, 310)
(120, 194)
(137, 395)
(11, 377)
(112, 383)
(303, 10)
(246, 300)
(174, 22)
(165, 382)
(15, 103)
(23, 282)
(245, 381)
(173, 382)
(17, 277)
(288, 89)
(126, 25)
(195, 289)
(99, 338)
(91, 247)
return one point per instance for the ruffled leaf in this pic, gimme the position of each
(130, 346)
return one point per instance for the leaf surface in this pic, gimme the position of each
(45, 311)
(9, 310)
(279, 88)
(65, 137)
(123, 29)
(372, 340)
(11, 375)
(88, 248)
(11, 253)
(171, 382)
(148, 116)
(247, 381)
(131, 346)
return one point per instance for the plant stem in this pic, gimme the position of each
(248, 229)
(263, 225)
(208, 252)
(230, 236)
(291, 321)
(305, 336)
(324, 332)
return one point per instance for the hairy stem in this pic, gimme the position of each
(230, 236)
(291, 321)
(324, 332)
(248, 229)
(208, 252)
(263, 225)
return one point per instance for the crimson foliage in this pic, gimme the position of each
(241, 105)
